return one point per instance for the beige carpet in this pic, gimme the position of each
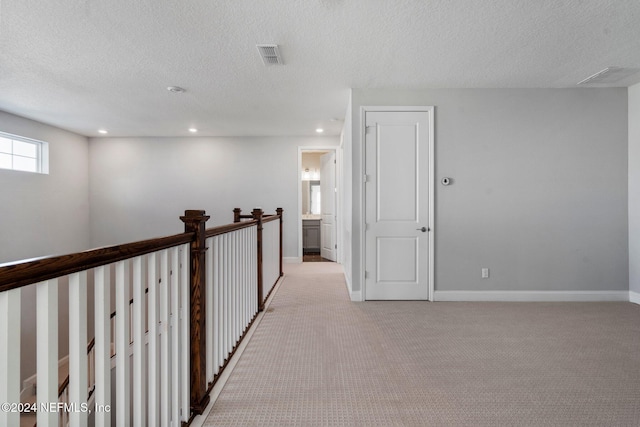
(318, 359)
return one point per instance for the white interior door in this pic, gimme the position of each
(397, 151)
(328, 206)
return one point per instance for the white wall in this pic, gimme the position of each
(540, 192)
(346, 222)
(634, 192)
(140, 186)
(44, 215)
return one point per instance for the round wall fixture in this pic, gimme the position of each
(447, 181)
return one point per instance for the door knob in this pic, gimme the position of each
(423, 229)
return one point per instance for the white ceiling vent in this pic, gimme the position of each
(270, 54)
(608, 75)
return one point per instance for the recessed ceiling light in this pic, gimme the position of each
(102, 131)
(319, 130)
(175, 89)
(193, 130)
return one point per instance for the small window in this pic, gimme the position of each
(23, 154)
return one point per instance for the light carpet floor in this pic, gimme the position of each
(318, 359)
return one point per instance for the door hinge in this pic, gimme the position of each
(336, 246)
(366, 274)
(365, 178)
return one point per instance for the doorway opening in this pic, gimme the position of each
(318, 205)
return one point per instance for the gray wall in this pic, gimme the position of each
(634, 190)
(540, 193)
(44, 215)
(140, 186)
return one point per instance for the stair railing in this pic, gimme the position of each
(203, 294)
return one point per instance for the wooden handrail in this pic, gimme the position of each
(221, 229)
(268, 218)
(22, 273)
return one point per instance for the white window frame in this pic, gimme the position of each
(42, 153)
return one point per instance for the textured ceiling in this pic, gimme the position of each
(84, 65)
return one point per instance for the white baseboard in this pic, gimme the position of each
(524, 296)
(356, 296)
(292, 260)
(634, 297)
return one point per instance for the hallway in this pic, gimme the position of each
(317, 358)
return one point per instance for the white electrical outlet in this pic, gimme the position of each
(485, 273)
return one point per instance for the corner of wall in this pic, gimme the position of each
(633, 188)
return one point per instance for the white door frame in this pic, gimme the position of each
(431, 235)
(335, 149)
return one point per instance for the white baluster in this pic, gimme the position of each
(210, 311)
(164, 338)
(139, 347)
(248, 257)
(238, 256)
(78, 393)
(234, 290)
(10, 355)
(247, 267)
(152, 349)
(268, 256)
(185, 338)
(243, 271)
(217, 301)
(102, 311)
(123, 401)
(223, 298)
(253, 260)
(254, 267)
(265, 259)
(229, 297)
(241, 279)
(174, 337)
(47, 349)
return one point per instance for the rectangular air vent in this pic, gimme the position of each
(608, 75)
(270, 54)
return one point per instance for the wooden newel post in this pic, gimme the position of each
(279, 212)
(236, 214)
(257, 215)
(194, 222)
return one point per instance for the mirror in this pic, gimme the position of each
(314, 197)
(311, 202)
